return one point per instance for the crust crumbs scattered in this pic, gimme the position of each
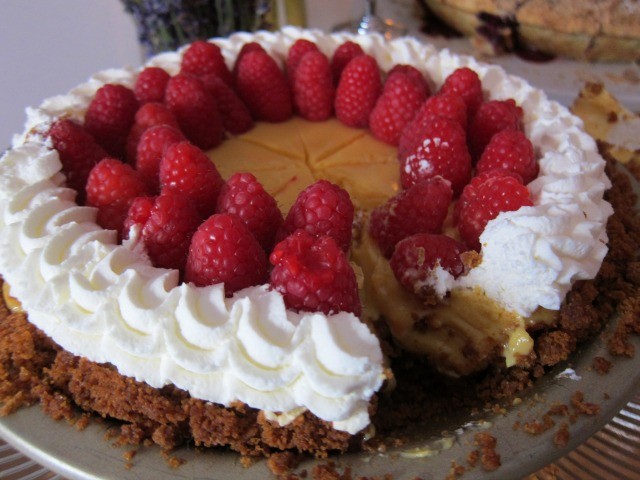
(537, 427)
(601, 365)
(489, 457)
(172, 460)
(561, 437)
(582, 407)
(282, 463)
(456, 471)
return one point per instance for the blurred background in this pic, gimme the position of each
(47, 47)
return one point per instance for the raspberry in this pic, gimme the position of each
(243, 196)
(167, 232)
(78, 151)
(416, 258)
(446, 105)
(263, 87)
(401, 98)
(204, 58)
(484, 203)
(469, 190)
(148, 115)
(235, 115)
(313, 87)
(109, 117)
(151, 147)
(151, 84)
(415, 74)
(359, 88)
(322, 209)
(313, 274)
(466, 83)
(195, 110)
(246, 48)
(443, 151)
(341, 57)
(138, 214)
(153, 113)
(186, 169)
(298, 50)
(111, 188)
(492, 117)
(510, 150)
(482, 177)
(224, 250)
(421, 208)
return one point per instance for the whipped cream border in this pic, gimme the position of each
(107, 303)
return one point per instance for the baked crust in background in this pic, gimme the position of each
(591, 30)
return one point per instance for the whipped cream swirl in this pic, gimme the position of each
(106, 302)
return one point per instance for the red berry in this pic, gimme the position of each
(151, 84)
(110, 116)
(187, 170)
(299, 48)
(204, 58)
(416, 259)
(131, 146)
(151, 147)
(223, 250)
(138, 214)
(167, 232)
(111, 188)
(243, 196)
(359, 88)
(153, 113)
(235, 115)
(492, 117)
(313, 91)
(415, 74)
(484, 203)
(421, 208)
(147, 116)
(342, 56)
(466, 83)
(510, 150)
(401, 98)
(246, 48)
(322, 208)
(78, 151)
(195, 110)
(443, 151)
(470, 189)
(314, 274)
(446, 105)
(482, 177)
(263, 87)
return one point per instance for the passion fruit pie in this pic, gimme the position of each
(234, 244)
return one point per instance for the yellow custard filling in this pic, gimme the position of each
(460, 335)
(287, 157)
(12, 303)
